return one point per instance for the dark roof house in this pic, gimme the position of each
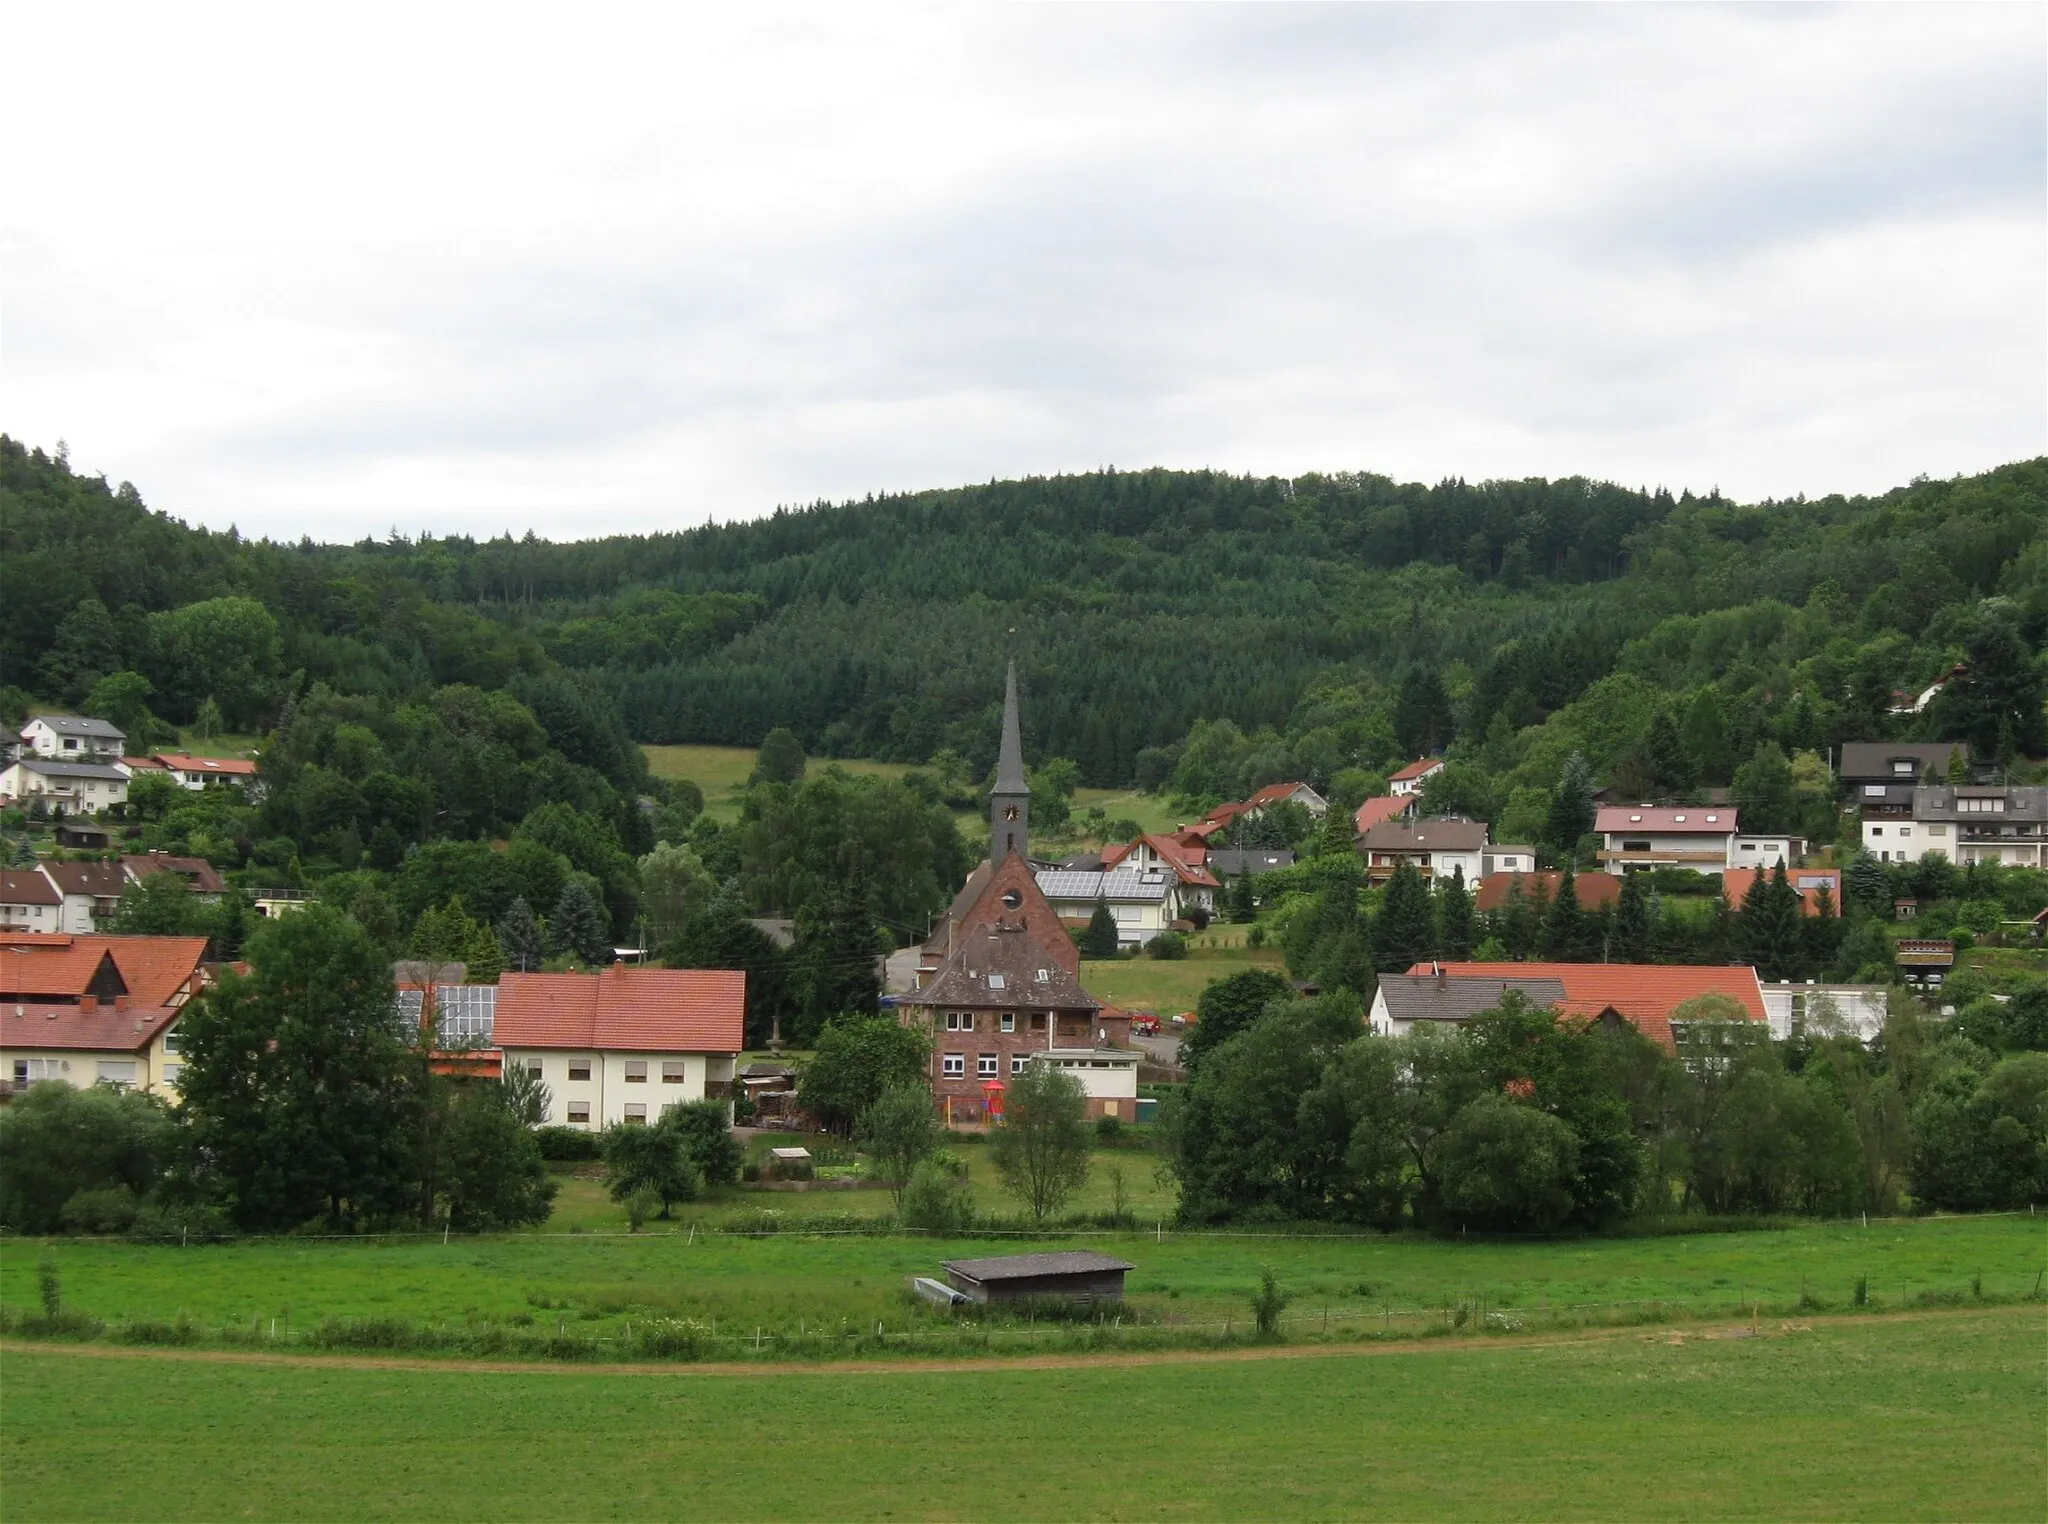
(1073, 1273)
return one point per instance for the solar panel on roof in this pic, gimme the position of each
(467, 1013)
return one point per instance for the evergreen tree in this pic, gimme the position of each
(1565, 931)
(1999, 707)
(1633, 923)
(1764, 793)
(1405, 933)
(483, 960)
(1100, 939)
(833, 960)
(1715, 941)
(1571, 807)
(1769, 931)
(577, 927)
(1821, 933)
(1705, 737)
(1665, 761)
(1241, 900)
(1454, 915)
(1422, 713)
(521, 946)
(87, 647)
(1348, 962)
(1520, 918)
(1868, 885)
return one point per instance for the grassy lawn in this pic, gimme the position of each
(1151, 984)
(218, 746)
(592, 1283)
(1939, 1417)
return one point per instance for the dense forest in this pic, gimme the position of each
(1331, 622)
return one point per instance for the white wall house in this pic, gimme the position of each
(1415, 776)
(621, 1046)
(1438, 847)
(205, 772)
(29, 902)
(1143, 903)
(1506, 858)
(1651, 836)
(1858, 1009)
(76, 788)
(1967, 823)
(71, 738)
(1108, 1077)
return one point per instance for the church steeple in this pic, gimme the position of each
(1009, 813)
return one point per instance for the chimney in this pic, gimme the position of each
(1443, 980)
(88, 1002)
(120, 1002)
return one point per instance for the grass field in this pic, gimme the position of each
(1151, 984)
(1934, 1417)
(593, 1284)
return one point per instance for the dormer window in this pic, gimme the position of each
(1044, 977)
(1711, 819)
(1902, 767)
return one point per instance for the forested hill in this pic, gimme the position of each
(1352, 616)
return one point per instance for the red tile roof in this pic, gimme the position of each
(226, 767)
(1378, 811)
(199, 875)
(1273, 793)
(1593, 889)
(1713, 820)
(637, 1010)
(1644, 993)
(45, 979)
(1417, 769)
(1735, 884)
(142, 764)
(1185, 861)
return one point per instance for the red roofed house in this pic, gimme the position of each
(1289, 793)
(91, 1010)
(1642, 994)
(198, 772)
(626, 1044)
(1379, 811)
(1167, 854)
(1593, 889)
(1651, 836)
(1809, 882)
(1412, 778)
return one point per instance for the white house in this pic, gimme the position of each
(1186, 863)
(1412, 778)
(201, 772)
(1108, 1077)
(96, 1010)
(1143, 903)
(76, 788)
(1437, 847)
(1506, 858)
(624, 1045)
(71, 738)
(1652, 836)
(29, 902)
(91, 893)
(1858, 1009)
(1967, 823)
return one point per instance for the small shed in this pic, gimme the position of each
(790, 1164)
(1080, 1274)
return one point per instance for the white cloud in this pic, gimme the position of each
(605, 269)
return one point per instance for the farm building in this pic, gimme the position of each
(1074, 1273)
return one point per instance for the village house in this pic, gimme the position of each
(202, 880)
(1966, 823)
(207, 772)
(91, 1010)
(91, 892)
(72, 788)
(29, 902)
(1143, 905)
(1228, 863)
(71, 738)
(1595, 890)
(1644, 995)
(1376, 811)
(1857, 1009)
(1883, 764)
(1437, 847)
(623, 1045)
(1413, 778)
(1185, 862)
(1811, 883)
(1706, 839)
(1225, 815)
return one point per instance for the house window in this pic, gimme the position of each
(1109, 1108)
(117, 1071)
(988, 1067)
(1937, 830)
(1009, 1021)
(1019, 1062)
(1902, 767)
(579, 1069)
(636, 1074)
(171, 1073)
(959, 1021)
(1635, 846)
(28, 1070)
(636, 1113)
(579, 1111)
(171, 1043)
(1905, 830)
(1877, 830)
(953, 1064)
(674, 1071)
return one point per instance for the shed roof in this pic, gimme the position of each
(1439, 997)
(1014, 1267)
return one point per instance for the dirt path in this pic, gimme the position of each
(1662, 1334)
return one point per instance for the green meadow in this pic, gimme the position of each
(1938, 1417)
(790, 1284)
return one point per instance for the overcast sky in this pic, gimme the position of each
(335, 269)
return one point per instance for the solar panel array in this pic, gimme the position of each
(467, 1013)
(405, 1010)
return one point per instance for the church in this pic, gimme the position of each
(999, 980)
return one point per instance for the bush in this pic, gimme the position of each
(936, 1199)
(107, 1210)
(1168, 946)
(1109, 1131)
(57, 1142)
(567, 1145)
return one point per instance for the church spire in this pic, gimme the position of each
(1009, 815)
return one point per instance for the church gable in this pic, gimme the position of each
(1012, 897)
